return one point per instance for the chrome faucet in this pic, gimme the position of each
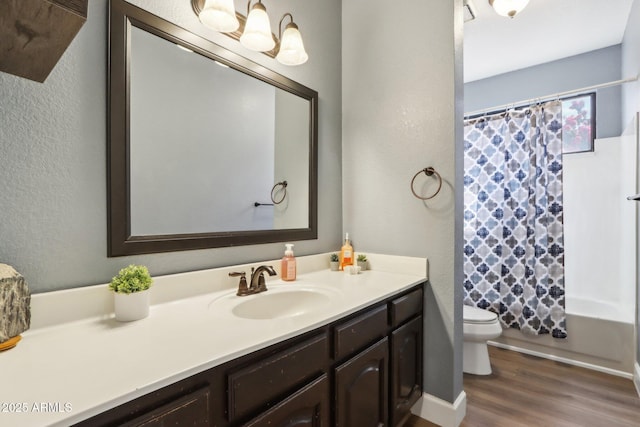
(257, 283)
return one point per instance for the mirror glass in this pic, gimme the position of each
(202, 141)
(208, 153)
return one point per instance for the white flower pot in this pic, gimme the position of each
(129, 307)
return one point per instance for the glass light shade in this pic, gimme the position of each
(291, 47)
(219, 15)
(257, 31)
(509, 8)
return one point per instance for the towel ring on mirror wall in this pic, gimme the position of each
(429, 172)
(282, 184)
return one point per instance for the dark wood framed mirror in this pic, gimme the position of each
(199, 139)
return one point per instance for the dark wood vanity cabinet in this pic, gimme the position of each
(364, 370)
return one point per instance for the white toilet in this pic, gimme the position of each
(479, 326)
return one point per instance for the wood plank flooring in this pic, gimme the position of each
(527, 391)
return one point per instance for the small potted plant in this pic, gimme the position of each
(362, 262)
(334, 262)
(131, 293)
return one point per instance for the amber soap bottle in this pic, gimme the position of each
(288, 265)
(346, 253)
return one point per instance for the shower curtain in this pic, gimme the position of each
(513, 233)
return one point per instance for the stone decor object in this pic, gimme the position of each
(15, 299)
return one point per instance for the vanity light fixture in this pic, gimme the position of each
(291, 50)
(254, 30)
(257, 31)
(219, 15)
(508, 8)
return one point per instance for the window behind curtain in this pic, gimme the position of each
(578, 123)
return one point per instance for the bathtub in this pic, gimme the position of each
(600, 336)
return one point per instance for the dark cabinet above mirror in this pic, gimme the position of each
(35, 33)
(201, 141)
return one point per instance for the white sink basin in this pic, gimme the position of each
(281, 304)
(276, 303)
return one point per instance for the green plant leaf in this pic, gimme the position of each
(134, 278)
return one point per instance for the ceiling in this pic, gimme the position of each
(544, 31)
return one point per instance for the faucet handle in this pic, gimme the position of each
(243, 289)
(237, 273)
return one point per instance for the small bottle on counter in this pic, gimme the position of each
(346, 253)
(288, 265)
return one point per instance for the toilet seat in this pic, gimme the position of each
(477, 315)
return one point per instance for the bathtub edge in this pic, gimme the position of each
(570, 361)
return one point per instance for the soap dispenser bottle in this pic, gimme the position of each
(288, 265)
(346, 253)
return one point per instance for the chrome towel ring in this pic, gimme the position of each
(429, 172)
(282, 184)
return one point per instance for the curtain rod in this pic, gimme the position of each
(552, 96)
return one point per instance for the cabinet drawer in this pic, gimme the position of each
(360, 331)
(405, 307)
(192, 409)
(270, 379)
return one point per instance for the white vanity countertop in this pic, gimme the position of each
(68, 368)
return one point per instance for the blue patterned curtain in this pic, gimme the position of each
(514, 251)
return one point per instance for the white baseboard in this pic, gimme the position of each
(440, 411)
(636, 377)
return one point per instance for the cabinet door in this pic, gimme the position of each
(406, 369)
(309, 407)
(361, 388)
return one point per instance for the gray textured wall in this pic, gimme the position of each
(575, 72)
(402, 93)
(631, 106)
(53, 153)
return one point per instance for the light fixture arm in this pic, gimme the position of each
(280, 24)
